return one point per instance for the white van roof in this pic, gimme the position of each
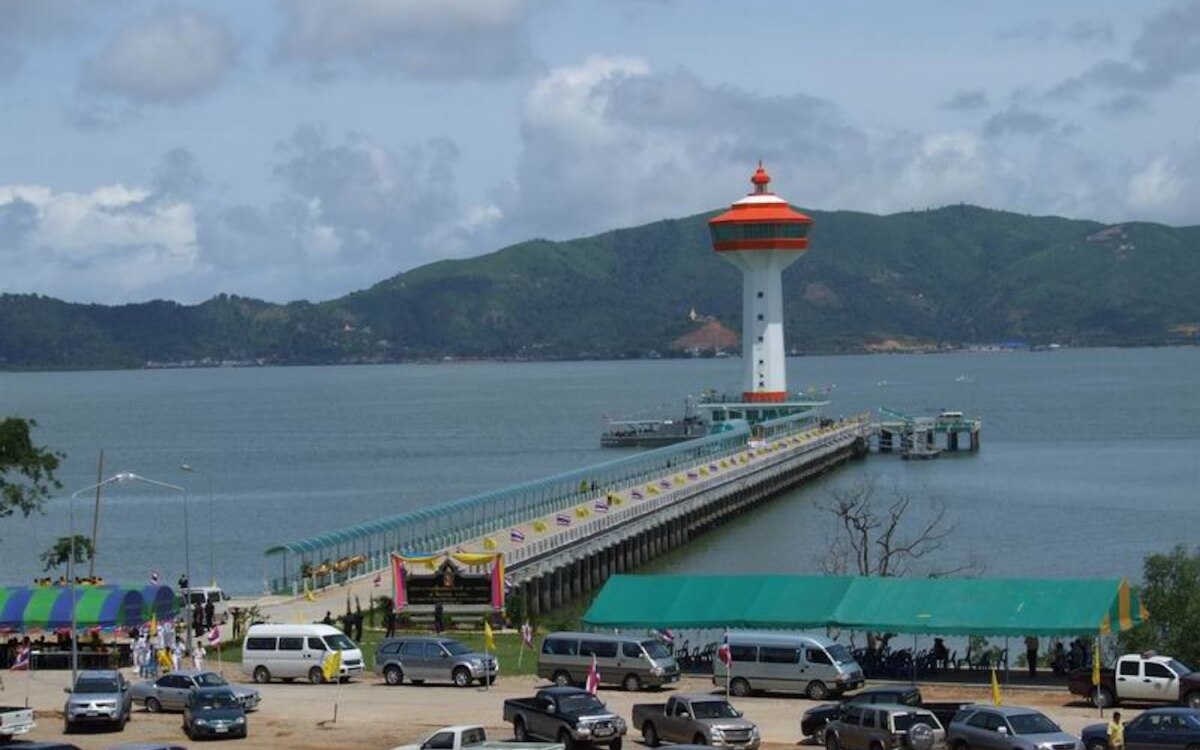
(619, 637)
(778, 639)
(269, 629)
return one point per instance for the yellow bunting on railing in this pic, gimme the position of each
(679, 479)
(582, 512)
(489, 543)
(651, 489)
(540, 527)
(703, 471)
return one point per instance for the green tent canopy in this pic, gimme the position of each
(945, 606)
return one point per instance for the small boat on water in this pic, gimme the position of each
(651, 433)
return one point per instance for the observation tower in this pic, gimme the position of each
(762, 235)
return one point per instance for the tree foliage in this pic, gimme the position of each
(60, 552)
(26, 470)
(884, 536)
(1171, 592)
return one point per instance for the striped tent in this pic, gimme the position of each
(25, 608)
(159, 602)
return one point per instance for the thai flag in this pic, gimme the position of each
(593, 677)
(601, 506)
(527, 635)
(723, 652)
(665, 635)
(516, 535)
(636, 495)
(562, 519)
(21, 663)
(214, 636)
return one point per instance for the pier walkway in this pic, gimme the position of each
(564, 535)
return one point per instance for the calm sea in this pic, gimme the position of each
(1090, 460)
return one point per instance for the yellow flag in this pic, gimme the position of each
(164, 660)
(489, 643)
(308, 594)
(153, 627)
(1096, 663)
(995, 688)
(331, 667)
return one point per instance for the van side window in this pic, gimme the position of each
(743, 653)
(560, 646)
(868, 721)
(316, 644)
(390, 648)
(817, 656)
(854, 715)
(433, 651)
(291, 644)
(631, 650)
(601, 649)
(260, 644)
(778, 655)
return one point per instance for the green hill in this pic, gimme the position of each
(934, 278)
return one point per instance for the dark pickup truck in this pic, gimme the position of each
(813, 723)
(568, 715)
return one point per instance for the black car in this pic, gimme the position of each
(1168, 727)
(812, 724)
(213, 712)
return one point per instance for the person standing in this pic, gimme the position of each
(389, 621)
(1031, 651)
(177, 654)
(1116, 732)
(209, 611)
(198, 655)
(439, 618)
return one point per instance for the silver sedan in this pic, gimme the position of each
(170, 691)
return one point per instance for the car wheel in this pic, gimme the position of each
(1098, 745)
(816, 691)
(316, 676)
(831, 742)
(392, 675)
(632, 683)
(819, 735)
(67, 727)
(649, 734)
(699, 739)
(562, 679)
(520, 733)
(462, 677)
(615, 744)
(960, 745)
(153, 706)
(262, 675)
(739, 687)
(920, 737)
(565, 739)
(1102, 697)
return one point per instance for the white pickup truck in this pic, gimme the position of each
(1147, 678)
(14, 721)
(473, 737)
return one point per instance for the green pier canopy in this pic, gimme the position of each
(947, 606)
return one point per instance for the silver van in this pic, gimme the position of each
(418, 658)
(633, 662)
(785, 662)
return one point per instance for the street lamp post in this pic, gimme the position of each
(124, 476)
(212, 560)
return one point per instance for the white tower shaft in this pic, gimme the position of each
(764, 363)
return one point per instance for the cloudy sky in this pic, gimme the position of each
(308, 148)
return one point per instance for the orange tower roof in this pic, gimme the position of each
(760, 207)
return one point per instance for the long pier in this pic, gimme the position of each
(563, 536)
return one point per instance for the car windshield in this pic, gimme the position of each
(840, 654)
(455, 648)
(215, 701)
(1032, 724)
(96, 686)
(1179, 667)
(210, 679)
(578, 704)
(904, 722)
(339, 642)
(656, 649)
(714, 710)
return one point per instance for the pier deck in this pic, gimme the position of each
(578, 528)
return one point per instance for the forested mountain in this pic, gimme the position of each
(942, 277)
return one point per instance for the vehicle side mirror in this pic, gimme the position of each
(739, 712)
(684, 715)
(67, 690)
(1002, 730)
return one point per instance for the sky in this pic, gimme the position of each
(304, 149)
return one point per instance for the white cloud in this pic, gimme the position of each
(168, 57)
(432, 38)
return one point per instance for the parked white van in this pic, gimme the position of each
(290, 652)
(787, 662)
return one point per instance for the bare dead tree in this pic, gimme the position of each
(877, 535)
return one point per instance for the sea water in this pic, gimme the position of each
(1090, 459)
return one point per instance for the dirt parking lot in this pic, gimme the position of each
(374, 716)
